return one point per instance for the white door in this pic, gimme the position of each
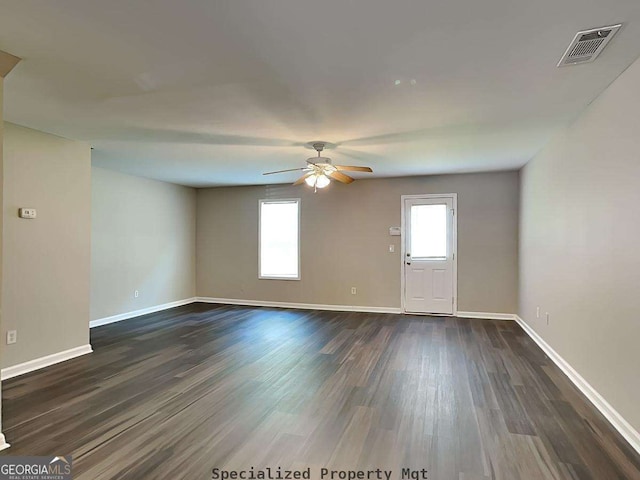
(429, 254)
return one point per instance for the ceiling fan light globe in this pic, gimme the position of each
(322, 181)
(311, 180)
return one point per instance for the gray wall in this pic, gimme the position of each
(143, 238)
(345, 241)
(46, 261)
(579, 247)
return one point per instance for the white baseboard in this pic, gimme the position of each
(3, 443)
(303, 306)
(136, 313)
(486, 315)
(42, 362)
(619, 423)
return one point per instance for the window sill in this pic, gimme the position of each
(260, 277)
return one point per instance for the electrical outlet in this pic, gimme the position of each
(28, 213)
(354, 290)
(537, 312)
(136, 294)
(547, 318)
(12, 337)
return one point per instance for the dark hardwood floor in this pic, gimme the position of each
(175, 394)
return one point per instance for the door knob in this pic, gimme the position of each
(408, 263)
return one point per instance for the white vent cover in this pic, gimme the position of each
(587, 45)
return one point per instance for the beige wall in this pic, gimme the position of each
(143, 238)
(46, 261)
(2, 346)
(345, 241)
(580, 259)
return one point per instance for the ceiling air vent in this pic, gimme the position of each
(587, 45)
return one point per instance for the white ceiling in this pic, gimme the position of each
(204, 92)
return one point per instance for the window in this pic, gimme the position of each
(279, 243)
(428, 231)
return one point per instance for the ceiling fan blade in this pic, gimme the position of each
(352, 168)
(341, 177)
(288, 170)
(301, 179)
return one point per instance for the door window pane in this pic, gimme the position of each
(428, 231)
(279, 239)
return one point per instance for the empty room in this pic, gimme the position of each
(338, 240)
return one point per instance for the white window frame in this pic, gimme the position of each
(277, 200)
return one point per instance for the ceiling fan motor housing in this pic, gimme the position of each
(319, 160)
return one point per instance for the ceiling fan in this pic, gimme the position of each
(319, 170)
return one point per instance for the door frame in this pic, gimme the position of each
(429, 196)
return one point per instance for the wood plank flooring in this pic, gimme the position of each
(175, 394)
